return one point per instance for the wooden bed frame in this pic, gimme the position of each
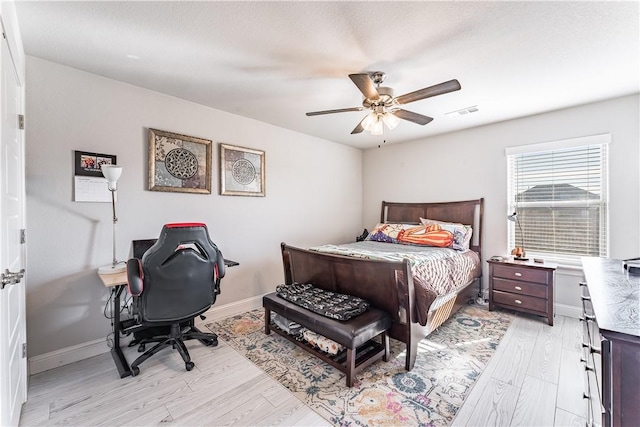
(389, 285)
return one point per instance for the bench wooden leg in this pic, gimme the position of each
(351, 366)
(385, 343)
(267, 321)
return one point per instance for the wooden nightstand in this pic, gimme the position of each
(525, 286)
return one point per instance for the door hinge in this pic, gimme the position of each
(24, 350)
(21, 121)
(23, 236)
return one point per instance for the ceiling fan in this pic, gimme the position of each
(384, 106)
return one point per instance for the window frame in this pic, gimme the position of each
(513, 205)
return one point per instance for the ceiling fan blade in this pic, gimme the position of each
(340, 110)
(359, 128)
(365, 84)
(412, 117)
(439, 89)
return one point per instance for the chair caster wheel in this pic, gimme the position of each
(141, 348)
(189, 365)
(135, 371)
(212, 342)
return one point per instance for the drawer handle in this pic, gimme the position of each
(586, 395)
(518, 301)
(518, 274)
(582, 284)
(587, 367)
(585, 298)
(587, 318)
(518, 288)
(591, 348)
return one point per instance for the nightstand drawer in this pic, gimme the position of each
(522, 288)
(520, 273)
(520, 301)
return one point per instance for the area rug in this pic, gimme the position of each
(449, 362)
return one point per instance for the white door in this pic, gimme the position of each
(13, 363)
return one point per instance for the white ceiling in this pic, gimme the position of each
(274, 61)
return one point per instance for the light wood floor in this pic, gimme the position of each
(533, 379)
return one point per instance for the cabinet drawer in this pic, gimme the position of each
(522, 288)
(520, 301)
(520, 273)
(595, 403)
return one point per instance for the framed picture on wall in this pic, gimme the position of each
(179, 163)
(89, 185)
(241, 171)
(88, 164)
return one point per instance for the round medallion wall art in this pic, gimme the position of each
(179, 163)
(241, 171)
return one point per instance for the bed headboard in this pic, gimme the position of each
(465, 212)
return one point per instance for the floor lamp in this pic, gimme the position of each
(112, 174)
(518, 251)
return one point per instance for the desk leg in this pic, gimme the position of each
(116, 352)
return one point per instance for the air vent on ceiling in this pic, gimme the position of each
(464, 111)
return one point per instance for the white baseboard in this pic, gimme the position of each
(64, 356)
(231, 309)
(568, 310)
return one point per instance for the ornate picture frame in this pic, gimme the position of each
(241, 171)
(179, 163)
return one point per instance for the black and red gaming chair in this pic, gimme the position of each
(177, 279)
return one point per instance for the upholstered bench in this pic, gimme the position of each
(356, 334)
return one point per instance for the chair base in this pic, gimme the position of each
(175, 338)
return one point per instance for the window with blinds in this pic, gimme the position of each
(559, 191)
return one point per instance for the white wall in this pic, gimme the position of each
(313, 196)
(471, 164)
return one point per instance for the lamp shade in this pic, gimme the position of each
(378, 127)
(112, 173)
(369, 121)
(390, 120)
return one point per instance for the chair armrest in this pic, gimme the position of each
(221, 266)
(135, 276)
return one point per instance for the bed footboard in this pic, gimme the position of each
(386, 285)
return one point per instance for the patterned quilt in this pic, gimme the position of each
(436, 271)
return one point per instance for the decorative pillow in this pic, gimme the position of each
(292, 328)
(461, 232)
(326, 303)
(322, 342)
(412, 234)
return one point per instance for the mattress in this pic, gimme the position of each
(436, 272)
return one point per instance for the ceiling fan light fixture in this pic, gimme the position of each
(378, 128)
(390, 120)
(369, 121)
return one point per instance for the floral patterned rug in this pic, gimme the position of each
(448, 363)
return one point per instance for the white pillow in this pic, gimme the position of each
(323, 343)
(461, 232)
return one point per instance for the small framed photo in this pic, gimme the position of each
(179, 163)
(241, 171)
(88, 164)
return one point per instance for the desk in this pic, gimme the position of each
(116, 282)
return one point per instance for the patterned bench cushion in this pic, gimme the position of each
(326, 303)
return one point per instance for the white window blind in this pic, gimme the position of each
(559, 191)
